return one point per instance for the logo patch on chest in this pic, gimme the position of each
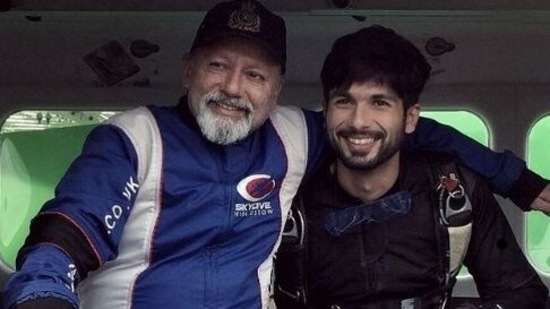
(254, 189)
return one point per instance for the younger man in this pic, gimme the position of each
(387, 228)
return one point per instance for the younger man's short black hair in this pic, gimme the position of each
(376, 54)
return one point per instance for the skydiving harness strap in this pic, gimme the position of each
(290, 268)
(453, 224)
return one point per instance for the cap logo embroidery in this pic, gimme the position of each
(245, 19)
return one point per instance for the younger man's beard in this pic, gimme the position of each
(220, 129)
(354, 162)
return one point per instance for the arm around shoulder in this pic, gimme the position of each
(501, 169)
(506, 172)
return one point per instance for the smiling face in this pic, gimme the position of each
(233, 86)
(366, 124)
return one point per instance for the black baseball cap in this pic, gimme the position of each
(247, 19)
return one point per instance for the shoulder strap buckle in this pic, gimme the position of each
(454, 205)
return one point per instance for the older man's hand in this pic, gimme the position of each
(542, 202)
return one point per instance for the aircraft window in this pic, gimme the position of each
(36, 148)
(41, 120)
(537, 224)
(466, 122)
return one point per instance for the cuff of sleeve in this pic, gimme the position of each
(43, 273)
(526, 189)
(45, 303)
(29, 298)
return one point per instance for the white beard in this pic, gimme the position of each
(220, 129)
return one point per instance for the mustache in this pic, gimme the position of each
(354, 132)
(218, 96)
